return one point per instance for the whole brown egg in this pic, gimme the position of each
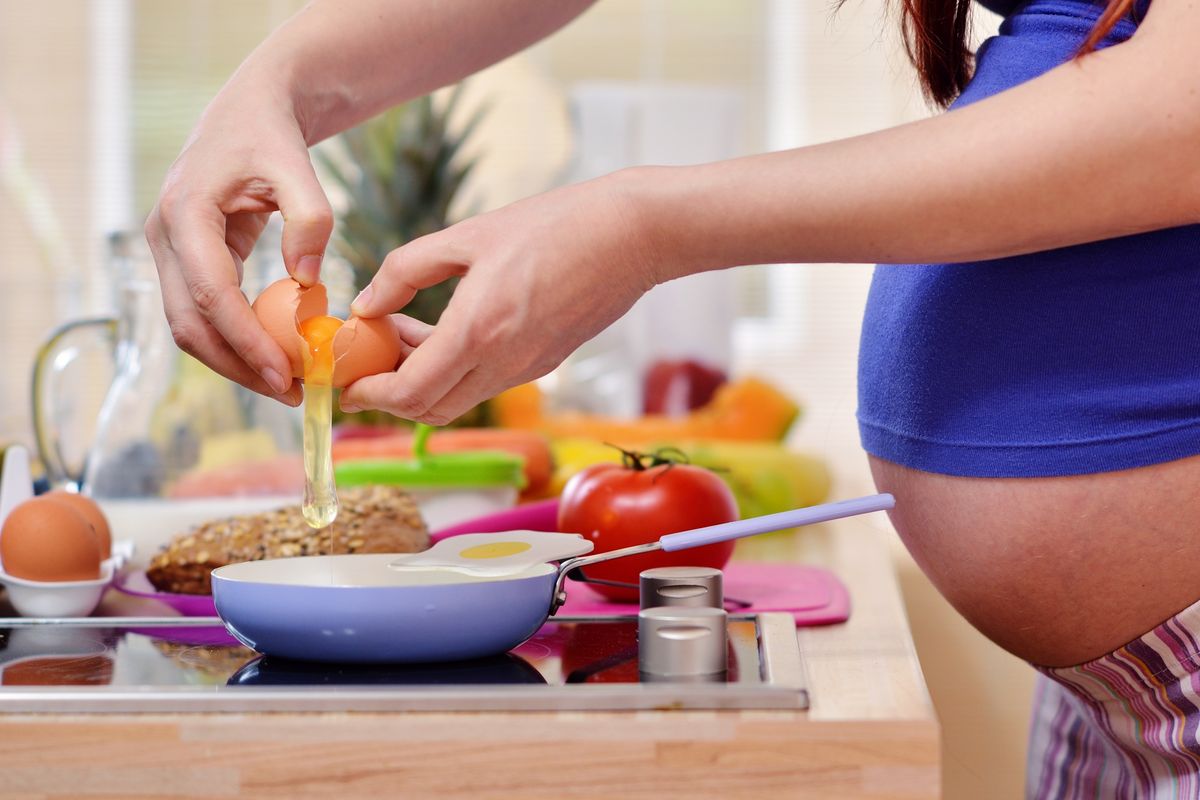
(90, 510)
(44, 539)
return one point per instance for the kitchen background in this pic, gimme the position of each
(96, 98)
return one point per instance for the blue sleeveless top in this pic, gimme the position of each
(1077, 360)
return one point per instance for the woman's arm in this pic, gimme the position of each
(343, 61)
(1100, 147)
(1103, 146)
(335, 63)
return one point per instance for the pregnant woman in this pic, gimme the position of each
(1030, 366)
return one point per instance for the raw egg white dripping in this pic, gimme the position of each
(329, 353)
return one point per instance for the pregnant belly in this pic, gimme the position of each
(1056, 570)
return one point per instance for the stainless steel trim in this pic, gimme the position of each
(779, 652)
(575, 697)
(781, 670)
(114, 622)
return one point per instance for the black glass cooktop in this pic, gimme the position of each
(182, 664)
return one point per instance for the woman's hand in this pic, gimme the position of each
(332, 65)
(539, 278)
(245, 159)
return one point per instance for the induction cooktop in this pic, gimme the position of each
(180, 664)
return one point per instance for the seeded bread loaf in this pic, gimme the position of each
(373, 519)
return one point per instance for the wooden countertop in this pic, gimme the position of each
(870, 732)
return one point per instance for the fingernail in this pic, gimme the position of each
(308, 270)
(360, 303)
(350, 409)
(275, 380)
(293, 397)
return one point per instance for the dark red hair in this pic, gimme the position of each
(935, 36)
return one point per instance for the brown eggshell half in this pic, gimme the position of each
(44, 539)
(280, 309)
(363, 347)
(92, 513)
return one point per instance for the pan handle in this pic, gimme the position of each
(753, 526)
(727, 531)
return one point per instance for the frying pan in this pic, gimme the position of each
(355, 609)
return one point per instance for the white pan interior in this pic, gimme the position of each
(366, 569)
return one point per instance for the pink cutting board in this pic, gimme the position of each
(814, 596)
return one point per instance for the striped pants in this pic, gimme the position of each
(1125, 725)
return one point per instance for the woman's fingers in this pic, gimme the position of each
(432, 356)
(196, 336)
(425, 377)
(476, 385)
(307, 223)
(417, 265)
(540, 277)
(197, 251)
(242, 232)
(412, 332)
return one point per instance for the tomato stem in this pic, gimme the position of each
(630, 459)
(668, 456)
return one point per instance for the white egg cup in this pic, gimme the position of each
(58, 598)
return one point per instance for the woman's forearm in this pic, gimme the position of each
(341, 61)
(1105, 146)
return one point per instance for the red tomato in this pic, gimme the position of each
(622, 505)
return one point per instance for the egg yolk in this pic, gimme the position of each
(319, 333)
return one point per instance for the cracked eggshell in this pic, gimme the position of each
(280, 309)
(363, 347)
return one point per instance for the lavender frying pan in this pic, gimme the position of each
(355, 609)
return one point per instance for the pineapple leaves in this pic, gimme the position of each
(400, 173)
